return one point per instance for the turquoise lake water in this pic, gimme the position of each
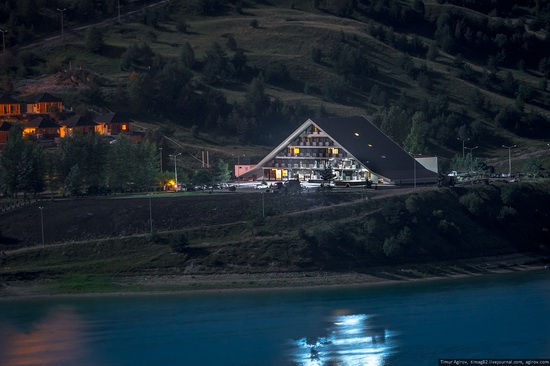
(489, 317)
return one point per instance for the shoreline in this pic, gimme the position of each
(289, 281)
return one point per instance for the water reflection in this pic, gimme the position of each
(57, 339)
(353, 339)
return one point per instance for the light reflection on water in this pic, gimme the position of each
(56, 339)
(409, 324)
(354, 339)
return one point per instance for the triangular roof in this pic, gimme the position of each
(6, 99)
(78, 121)
(112, 118)
(364, 141)
(43, 98)
(5, 126)
(42, 122)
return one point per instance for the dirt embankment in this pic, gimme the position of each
(111, 217)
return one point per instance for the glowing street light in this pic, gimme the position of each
(62, 32)
(509, 159)
(176, 168)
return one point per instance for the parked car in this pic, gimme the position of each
(262, 185)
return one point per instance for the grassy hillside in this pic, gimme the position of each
(331, 232)
(277, 63)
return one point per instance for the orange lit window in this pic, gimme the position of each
(124, 127)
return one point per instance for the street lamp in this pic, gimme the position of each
(414, 168)
(239, 166)
(4, 38)
(176, 168)
(471, 158)
(150, 213)
(509, 159)
(160, 148)
(62, 33)
(463, 140)
(42, 223)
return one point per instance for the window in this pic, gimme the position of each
(296, 150)
(124, 127)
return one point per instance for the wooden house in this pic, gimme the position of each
(43, 127)
(5, 128)
(9, 106)
(112, 124)
(77, 125)
(44, 103)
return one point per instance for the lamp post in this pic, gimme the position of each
(62, 32)
(414, 169)
(42, 222)
(471, 158)
(160, 148)
(4, 38)
(463, 140)
(509, 159)
(239, 166)
(150, 213)
(176, 168)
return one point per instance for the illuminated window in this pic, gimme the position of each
(335, 151)
(296, 150)
(285, 173)
(124, 127)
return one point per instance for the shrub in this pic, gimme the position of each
(448, 229)
(395, 246)
(473, 202)
(179, 243)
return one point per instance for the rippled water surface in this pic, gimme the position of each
(502, 316)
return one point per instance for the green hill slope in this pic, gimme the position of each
(251, 71)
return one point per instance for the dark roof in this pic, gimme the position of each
(78, 121)
(373, 148)
(5, 126)
(6, 99)
(112, 118)
(42, 122)
(43, 98)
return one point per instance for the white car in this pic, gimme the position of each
(262, 185)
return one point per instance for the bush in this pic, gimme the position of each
(179, 243)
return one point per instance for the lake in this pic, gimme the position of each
(494, 316)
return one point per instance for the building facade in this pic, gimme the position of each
(352, 147)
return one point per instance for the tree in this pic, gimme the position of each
(215, 67)
(93, 40)
(18, 162)
(416, 139)
(327, 174)
(221, 171)
(534, 165)
(31, 168)
(187, 55)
